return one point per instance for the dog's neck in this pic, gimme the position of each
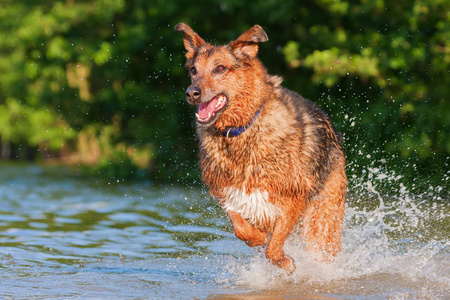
(236, 131)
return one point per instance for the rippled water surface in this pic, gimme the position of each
(66, 237)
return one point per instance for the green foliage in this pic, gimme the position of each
(379, 68)
(36, 126)
(402, 56)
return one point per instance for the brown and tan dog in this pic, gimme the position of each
(271, 158)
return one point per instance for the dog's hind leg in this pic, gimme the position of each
(322, 222)
(245, 231)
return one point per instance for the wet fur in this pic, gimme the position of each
(286, 169)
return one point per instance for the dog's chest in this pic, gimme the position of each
(236, 174)
(254, 206)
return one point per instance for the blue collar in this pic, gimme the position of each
(236, 131)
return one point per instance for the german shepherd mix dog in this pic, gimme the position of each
(270, 157)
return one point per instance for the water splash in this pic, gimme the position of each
(395, 245)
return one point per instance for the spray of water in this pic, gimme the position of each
(394, 244)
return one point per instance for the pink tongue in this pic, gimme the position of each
(205, 108)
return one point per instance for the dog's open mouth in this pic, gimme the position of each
(207, 111)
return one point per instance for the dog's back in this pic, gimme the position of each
(321, 147)
(270, 157)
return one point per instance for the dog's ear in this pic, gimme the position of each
(191, 39)
(247, 43)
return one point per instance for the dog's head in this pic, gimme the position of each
(226, 80)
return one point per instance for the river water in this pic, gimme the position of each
(63, 237)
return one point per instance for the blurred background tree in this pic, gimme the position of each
(101, 83)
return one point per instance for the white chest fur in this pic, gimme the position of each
(254, 207)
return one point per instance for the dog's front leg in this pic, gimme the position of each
(274, 252)
(245, 231)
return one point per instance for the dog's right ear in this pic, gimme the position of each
(192, 41)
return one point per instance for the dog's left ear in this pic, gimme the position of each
(192, 41)
(247, 43)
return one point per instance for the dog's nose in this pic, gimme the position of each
(193, 94)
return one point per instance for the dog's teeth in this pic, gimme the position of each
(198, 117)
(219, 101)
(209, 115)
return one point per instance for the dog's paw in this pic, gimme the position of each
(282, 260)
(258, 239)
(252, 236)
(287, 263)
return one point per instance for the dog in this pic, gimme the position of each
(271, 158)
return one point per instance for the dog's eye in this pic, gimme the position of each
(193, 71)
(219, 69)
